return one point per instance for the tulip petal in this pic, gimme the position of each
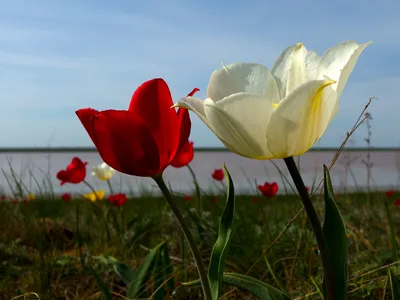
(242, 121)
(300, 119)
(241, 78)
(123, 140)
(152, 102)
(184, 132)
(197, 106)
(289, 69)
(338, 62)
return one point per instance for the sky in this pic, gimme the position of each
(59, 56)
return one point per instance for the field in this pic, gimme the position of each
(54, 249)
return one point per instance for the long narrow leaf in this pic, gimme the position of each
(220, 249)
(394, 285)
(336, 239)
(254, 286)
(137, 286)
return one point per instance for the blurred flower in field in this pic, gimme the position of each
(103, 171)
(278, 113)
(66, 197)
(184, 157)
(75, 172)
(307, 188)
(255, 199)
(188, 198)
(397, 203)
(144, 139)
(117, 199)
(15, 201)
(218, 175)
(99, 195)
(268, 190)
(30, 197)
(214, 200)
(3, 197)
(389, 193)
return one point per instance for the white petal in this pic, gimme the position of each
(289, 69)
(239, 78)
(300, 119)
(338, 62)
(197, 106)
(242, 121)
(311, 62)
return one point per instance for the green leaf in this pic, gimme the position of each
(254, 286)
(137, 286)
(125, 272)
(168, 269)
(158, 278)
(336, 240)
(394, 285)
(100, 283)
(221, 246)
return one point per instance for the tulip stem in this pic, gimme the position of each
(197, 187)
(315, 224)
(189, 237)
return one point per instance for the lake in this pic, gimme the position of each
(349, 173)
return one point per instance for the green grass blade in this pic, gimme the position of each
(168, 269)
(100, 283)
(254, 286)
(336, 239)
(394, 285)
(137, 286)
(125, 272)
(220, 249)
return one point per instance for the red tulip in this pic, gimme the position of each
(268, 190)
(188, 198)
(397, 203)
(144, 139)
(75, 172)
(184, 157)
(218, 175)
(117, 199)
(389, 193)
(66, 197)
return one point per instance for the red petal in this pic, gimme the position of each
(184, 157)
(86, 115)
(152, 101)
(124, 142)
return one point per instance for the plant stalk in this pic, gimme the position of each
(316, 226)
(189, 237)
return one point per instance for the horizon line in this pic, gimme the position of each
(198, 149)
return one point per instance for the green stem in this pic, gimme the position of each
(392, 231)
(110, 187)
(99, 209)
(316, 226)
(189, 237)
(197, 187)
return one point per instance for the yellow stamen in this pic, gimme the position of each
(275, 105)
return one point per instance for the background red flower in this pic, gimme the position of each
(268, 190)
(218, 175)
(389, 193)
(75, 172)
(117, 199)
(144, 139)
(66, 197)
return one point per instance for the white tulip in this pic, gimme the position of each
(103, 171)
(265, 114)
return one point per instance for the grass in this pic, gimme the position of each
(47, 246)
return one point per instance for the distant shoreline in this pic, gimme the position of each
(198, 149)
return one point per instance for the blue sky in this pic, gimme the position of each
(59, 56)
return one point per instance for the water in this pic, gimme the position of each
(349, 172)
